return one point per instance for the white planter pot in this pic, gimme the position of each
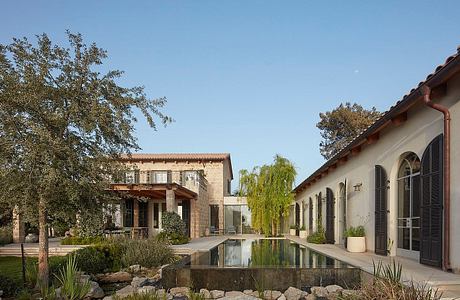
(292, 231)
(356, 244)
(303, 234)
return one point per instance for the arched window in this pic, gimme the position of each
(409, 206)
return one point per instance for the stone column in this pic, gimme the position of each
(171, 204)
(135, 213)
(18, 227)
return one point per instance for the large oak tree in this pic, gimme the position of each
(63, 124)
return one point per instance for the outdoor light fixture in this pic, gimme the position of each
(357, 187)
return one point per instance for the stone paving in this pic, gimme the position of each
(446, 282)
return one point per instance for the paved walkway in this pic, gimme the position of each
(200, 244)
(31, 249)
(446, 282)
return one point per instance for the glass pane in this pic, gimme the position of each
(404, 238)
(232, 219)
(214, 218)
(156, 216)
(161, 177)
(416, 239)
(246, 219)
(404, 197)
(416, 199)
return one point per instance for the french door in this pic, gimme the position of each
(408, 244)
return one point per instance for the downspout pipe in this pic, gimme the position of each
(426, 93)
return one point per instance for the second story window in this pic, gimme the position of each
(132, 176)
(160, 177)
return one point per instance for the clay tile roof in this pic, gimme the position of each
(177, 156)
(441, 74)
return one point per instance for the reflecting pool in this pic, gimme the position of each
(247, 253)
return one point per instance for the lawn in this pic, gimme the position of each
(11, 266)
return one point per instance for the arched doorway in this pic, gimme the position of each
(408, 243)
(330, 216)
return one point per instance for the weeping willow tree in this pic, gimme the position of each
(268, 190)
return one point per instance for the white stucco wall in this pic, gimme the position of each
(422, 126)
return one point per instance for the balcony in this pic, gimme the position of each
(193, 180)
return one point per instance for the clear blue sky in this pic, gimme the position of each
(250, 77)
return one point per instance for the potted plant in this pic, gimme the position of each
(356, 239)
(292, 229)
(303, 232)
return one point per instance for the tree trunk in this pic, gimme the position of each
(273, 228)
(42, 244)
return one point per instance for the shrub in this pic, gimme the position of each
(92, 260)
(358, 231)
(147, 253)
(293, 227)
(172, 223)
(173, 229)
(303, 228)
(318, 237)
(6, 235)
(8, 286)
(80, 240)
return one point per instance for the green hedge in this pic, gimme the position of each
(78, 240)
(6, 235)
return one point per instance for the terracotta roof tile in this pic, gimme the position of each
(176, 156)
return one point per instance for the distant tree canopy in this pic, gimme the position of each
(63, 125)
(342, 124)
(268, 190)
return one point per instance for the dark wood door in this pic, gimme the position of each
(431, 174)
(381, 230)
(186, 216)
(330, 216)
(297, 218)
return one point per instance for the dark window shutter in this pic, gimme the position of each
(330, 216)
(310, 216)
(381, 232)
(431, 174)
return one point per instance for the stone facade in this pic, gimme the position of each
(216, 170)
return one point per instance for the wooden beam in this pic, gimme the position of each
(342, 160)
(399, 119)
(356, 150)
(372, 139)
(439, 91)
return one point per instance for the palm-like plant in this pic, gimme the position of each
(72, 286)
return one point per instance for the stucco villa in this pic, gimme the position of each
(399, 178)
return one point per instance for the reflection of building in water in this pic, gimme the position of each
(232, 253)
(262, 253)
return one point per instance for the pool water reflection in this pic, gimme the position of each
(249, 253)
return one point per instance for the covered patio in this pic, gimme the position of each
(143, 204)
